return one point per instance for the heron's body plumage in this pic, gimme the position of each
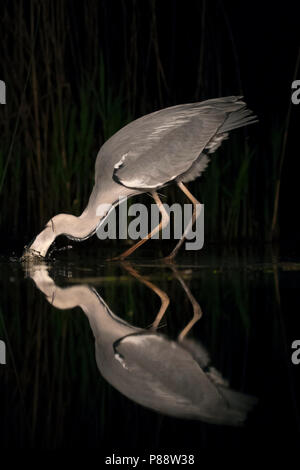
(170, 145)
(171, 377)
(163, 146)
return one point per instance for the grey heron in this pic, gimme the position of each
(175, 378)
(167, 146)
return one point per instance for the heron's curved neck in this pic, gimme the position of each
(81, 227)
(65, 224)
(106, 326)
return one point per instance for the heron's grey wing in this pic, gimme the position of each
(170, 149)
(165, 370)
(163, 376)
(159, 147)
(151, 352)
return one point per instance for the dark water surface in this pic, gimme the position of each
(98, 376)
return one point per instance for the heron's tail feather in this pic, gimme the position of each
(239, 406)
(241, 117)
(237, 400)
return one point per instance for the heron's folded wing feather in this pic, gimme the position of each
(169, 149)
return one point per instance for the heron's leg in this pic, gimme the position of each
(165, 301)
(195, 215)
(164, 221)
(197, 311)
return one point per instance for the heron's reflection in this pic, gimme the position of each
(175, 378)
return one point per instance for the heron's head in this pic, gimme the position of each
(31, 255)
(62, 224)
(39, 246)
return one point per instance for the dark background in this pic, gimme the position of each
(76, 72)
